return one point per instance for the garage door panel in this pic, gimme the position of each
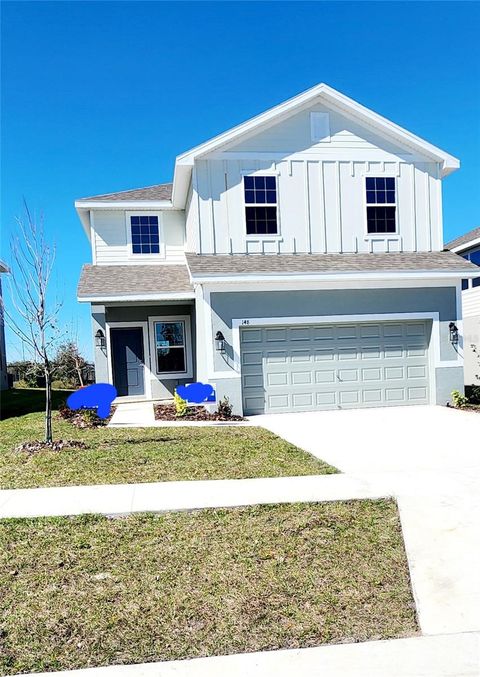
(303, 368)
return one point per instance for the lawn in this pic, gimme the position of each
(90, 591)
(116, 455)
(19, 401)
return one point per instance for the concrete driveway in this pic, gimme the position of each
(429, 459)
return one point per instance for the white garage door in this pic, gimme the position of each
(334, 366)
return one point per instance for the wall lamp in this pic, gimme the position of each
(100, 340)
(453, 333)
(220, 342)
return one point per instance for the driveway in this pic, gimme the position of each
(429, 459)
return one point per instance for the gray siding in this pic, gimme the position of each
(471, 346)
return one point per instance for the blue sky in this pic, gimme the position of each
(101, 96)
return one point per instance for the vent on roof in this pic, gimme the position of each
(320, 126)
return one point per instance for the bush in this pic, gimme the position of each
(181, 405)
(224, 408)
(459, 400)
(81, 418)
(473, 393)
(21, 384)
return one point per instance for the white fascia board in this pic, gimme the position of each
(369, 117)
(466, 245)
(134, 298)
(124, 204)
(84, 216)
(332, 277)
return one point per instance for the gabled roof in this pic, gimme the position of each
(331, 97)
(161, 191)
(470, 239)
(233, 265)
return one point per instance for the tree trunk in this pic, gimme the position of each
(79, 374)
(48, 406)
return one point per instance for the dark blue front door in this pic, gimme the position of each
(127, 359)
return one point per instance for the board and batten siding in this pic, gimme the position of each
(110, 241)
(321, 191)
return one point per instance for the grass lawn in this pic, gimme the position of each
(90, 591)
(20, 401)
(116, 455)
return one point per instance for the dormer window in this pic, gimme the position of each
(381, 205)
(145, 235)
(261, 205)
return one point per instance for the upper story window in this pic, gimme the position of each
(381, 205)
(261, 205)
(145, 237)
(474, 257)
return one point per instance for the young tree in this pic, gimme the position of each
(35, 320)
(69, 363)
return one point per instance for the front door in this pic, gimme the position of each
(128, 360)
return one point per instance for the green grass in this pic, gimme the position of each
(116, 455)
(20, 401)
(90, 591)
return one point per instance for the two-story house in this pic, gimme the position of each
(468, 246)
(296, 262)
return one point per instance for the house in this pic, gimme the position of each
(468, 246)
(295, 262)
(3, 355)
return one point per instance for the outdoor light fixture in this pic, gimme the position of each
(220, 342)
(453, 329)
(100, 341)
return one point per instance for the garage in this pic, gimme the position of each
(334, 366)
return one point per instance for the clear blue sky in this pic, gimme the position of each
(101, 96)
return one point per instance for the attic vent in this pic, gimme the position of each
(320, 126)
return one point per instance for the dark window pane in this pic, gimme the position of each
(464, 284)
(390, 183)
(271, 196)
(144, 220)
(380, 183)
(249, 182)
(371, 196)
(154, 237)
(170, 359)
(259, 182)
(169, 334)
(135, 230)
(370, 183)
(145, 238)
(135, 239)
(257, 217)
(155, 248)
(476, 282)
(381, 219)
(391, 196)
(154, 220)
(260, 196)
(270, 182)
(475, 258)
(136, 249)
(135, 220)
(381, 197)
(249, 196)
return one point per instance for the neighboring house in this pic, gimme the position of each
(3, 354)
(468, 246)
(307, 241)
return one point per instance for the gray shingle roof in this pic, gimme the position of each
(162, 191)
(464, 239)
(132, 280)
(258, 264)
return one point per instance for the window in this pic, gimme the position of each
(170, 353)
(381, 205)
(261, 192)
(145, 238)
(474, 257)
(464, 285)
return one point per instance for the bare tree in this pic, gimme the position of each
(35, 320)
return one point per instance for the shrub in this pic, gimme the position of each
(21, 384)
(459, 400)
(181, 405)
(474, 394)
(62, 384)
(224, 408)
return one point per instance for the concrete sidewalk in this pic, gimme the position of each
(441, 656)
(119, 499)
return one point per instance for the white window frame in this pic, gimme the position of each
(375, 236)
(261, 236)
(128, 227)
(171, 375)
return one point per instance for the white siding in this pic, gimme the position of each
(110, 238)
(471, 302)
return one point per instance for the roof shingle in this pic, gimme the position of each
(161, 191)
(290, 264)
(464, 239)
(132, 280)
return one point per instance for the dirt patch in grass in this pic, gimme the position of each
(90, 591)
(56, 445)
(166, 412)
(126, 455)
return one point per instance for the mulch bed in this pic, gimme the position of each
(467, 407)
(166, 412)
(56, 445)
